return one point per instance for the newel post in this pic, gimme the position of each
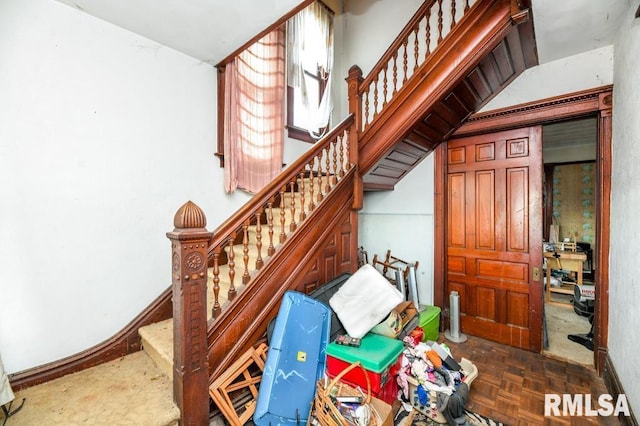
(189, 244)
(354, 81)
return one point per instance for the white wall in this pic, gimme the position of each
(368, 27)
(402, 221)
(624, 292)
(571, 74)
(104, 134)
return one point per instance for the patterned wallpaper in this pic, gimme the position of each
(574, 201)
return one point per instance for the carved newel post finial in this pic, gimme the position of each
(189, 216)
(189, 254)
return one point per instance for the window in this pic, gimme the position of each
(283, 74)
(309, 64)
(298, 117)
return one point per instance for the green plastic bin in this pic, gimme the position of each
(430, 323)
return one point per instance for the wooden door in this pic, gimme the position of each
(494, 235)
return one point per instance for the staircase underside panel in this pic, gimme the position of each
(437, 105)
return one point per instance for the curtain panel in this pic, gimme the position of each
(254, 117)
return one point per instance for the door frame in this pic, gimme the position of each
(588, 103)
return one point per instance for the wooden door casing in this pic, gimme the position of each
(494, 234)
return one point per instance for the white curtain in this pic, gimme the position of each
(254, 114)
(310, 45)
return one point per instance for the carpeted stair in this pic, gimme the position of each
(128, 391)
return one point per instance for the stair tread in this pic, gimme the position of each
(129, 390)
(157, 342)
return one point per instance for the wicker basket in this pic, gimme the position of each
(324, 408)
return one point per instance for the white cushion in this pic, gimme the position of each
(364, 300)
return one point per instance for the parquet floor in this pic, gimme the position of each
(512, 384)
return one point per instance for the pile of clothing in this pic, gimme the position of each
(432, 382)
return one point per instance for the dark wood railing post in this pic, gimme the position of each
(189, 244)
(354, 81)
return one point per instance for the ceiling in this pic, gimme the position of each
(210, 30)
(568, 27)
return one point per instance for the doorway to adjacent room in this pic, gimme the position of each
(592, 104)
(569, 152)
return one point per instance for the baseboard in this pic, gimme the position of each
(614, 386)
(125, 342)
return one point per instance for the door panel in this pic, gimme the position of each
(494, 219)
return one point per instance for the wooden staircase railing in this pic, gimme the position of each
(289, 199)
(451, 59)
(410, 50)
(258, 227)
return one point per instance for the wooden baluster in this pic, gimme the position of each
(216, 310)
(347, 147)
(312, 204)
(259, 261)
(232, 265)
(405, 61)
(327, 152)
(319, 172)
(271, 250)
(416, 48)
(453, 13)
(428, 29)
(466, 5)
(245, 252)
(375, 96)
(334, 179)
(395, 73)
(343, 167)
(366, 107)
(439, 21)
(301, 188)
(384, 87)
(292, 200)
(283, 207)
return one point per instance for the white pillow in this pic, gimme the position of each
(364, 300)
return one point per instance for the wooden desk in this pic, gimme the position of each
(567, 261)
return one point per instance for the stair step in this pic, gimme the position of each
(157, 338)
(157, 342)
(127, 391)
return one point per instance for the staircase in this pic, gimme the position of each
(449, 60)
(299, 232)
(157, 338)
